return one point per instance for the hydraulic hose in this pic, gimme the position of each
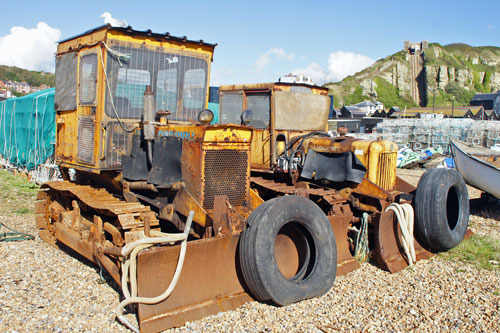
(130, 252)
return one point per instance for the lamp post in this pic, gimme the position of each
(433, 99)
(452, 107)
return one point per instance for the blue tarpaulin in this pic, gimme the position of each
(27, 129)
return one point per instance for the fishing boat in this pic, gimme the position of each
(479, 166)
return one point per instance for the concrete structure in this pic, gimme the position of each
(415, 56)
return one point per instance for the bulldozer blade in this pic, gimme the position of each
(345, 261)
(388, 247)
(211, 281)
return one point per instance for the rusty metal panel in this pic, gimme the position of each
(66, 68)
(345, 261)
(117, 144)
(388, 245)
(86, 139)
(261, 150)
(290, 107)
(66, 146)
(210, 282)
(192, 161)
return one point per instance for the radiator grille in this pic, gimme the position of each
(86, 140)
(386, 176)
(226, 174)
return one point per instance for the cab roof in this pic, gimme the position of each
(147, 33)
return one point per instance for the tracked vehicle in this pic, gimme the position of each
(230, 212)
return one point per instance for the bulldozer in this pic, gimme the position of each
(191, 218)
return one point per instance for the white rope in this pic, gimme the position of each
(405, 216)
(129, 267)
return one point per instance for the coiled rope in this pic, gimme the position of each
(130, 252)
(405, 216)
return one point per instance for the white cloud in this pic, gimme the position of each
(315, 71)
(342, 64)
(222, 75)
(31, 49)
(275, 53)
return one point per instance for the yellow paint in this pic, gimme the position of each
(151, 43)
(255, 199)
(370, 152)
(66, 136)
(227, 134)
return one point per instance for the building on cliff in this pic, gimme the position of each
(488, 101)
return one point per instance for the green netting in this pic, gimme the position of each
(27, 129)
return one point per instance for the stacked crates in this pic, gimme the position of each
(476, 134)
(493, 134)
(420, 134)
(397, 131)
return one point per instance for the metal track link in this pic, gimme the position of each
(106, 203)
(329, 195)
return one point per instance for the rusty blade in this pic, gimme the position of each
(388, 246)
(345, 261)
(210, 282)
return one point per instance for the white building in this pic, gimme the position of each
(300, 78)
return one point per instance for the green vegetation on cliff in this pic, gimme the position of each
(456, 72)
(389, 94)
(11, 73)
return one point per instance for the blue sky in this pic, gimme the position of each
(258, 41)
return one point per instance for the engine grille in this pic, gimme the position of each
(226, 173)
(86, 140)
(386, 177)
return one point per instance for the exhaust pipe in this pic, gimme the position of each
(148, 120)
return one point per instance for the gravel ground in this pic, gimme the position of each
(45, 289)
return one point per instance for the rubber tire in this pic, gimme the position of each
(258, 262)
(441, 209)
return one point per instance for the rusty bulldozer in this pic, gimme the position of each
(264, 206)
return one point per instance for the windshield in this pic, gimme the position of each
(178, 79)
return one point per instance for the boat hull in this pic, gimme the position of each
(475, 171)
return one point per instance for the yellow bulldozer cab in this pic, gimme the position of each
(101, 76)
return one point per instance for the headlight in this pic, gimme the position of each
(246, 117)
(205, 116)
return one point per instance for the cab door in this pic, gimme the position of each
(88, 130)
